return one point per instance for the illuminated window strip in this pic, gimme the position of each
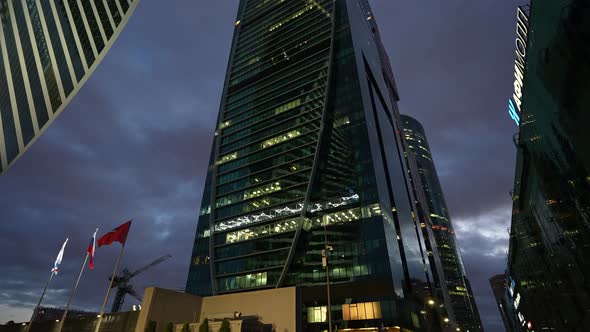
(243, 281)
(439, 217)
(290, 18)
(260, 26)
(258, 217)
(315, 207)
(262, 190)
(311, 111)
(227, 157)
(361, 311)
(290, 225)
(284, 226)
(317, 314)
(341, 122)
(288, 106)
(308, 156)
(285, 211)
(280, 139)
(244, 149)
(345, 216)
(225, 124)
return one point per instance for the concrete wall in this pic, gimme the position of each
(163, 306)
(274, 306)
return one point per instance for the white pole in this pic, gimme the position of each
(106, 298)
(39, 304)
(61, 323)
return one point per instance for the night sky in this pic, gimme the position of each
(134, 143)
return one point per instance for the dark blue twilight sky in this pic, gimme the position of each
(135, 143)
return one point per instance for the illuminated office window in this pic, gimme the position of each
(361, 311)
(280, 139)
(317, 314)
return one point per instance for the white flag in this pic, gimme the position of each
(59, 258)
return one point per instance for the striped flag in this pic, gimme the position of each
(91, 248)
(59, 258)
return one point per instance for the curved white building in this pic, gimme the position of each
(48, 49)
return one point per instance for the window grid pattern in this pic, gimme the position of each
(40, 51)
(269, 128)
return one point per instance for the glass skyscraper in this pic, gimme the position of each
(48, 49)
(308, 155)
(548, 263)
(498, 285)
(459, 296)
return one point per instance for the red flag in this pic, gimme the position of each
(118, 234)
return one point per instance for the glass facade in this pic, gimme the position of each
(548, 267)
(48, 48)
(498, 285)
(459, 296)
(302, 159)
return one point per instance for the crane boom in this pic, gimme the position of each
(156, 262)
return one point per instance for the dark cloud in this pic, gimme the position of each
(135, 144)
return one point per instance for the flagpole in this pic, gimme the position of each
(63, 318)
(106, 298)
(41, 299)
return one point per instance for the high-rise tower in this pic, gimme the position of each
(462, 302)
(306, 158)
(548, 268)
(48, 49)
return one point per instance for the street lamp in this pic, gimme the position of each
(325, 266)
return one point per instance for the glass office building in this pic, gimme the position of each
(307, 155)
(498, 285)
(548, 262)
(48, 49)
(460, 297)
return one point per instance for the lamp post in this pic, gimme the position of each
(325, 266)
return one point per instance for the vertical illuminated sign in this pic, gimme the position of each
(513, 294)
(522, 29)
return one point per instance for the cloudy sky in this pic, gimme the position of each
(134, 143)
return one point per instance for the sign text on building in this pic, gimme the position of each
(522, 29)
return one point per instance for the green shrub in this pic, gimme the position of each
(225, 326)
(185, 328)
(151, 326)
(169, 327)
(204, 327)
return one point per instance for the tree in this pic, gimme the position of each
(151, 327)
(185, 327)
(204, 327)
(225, 326)
(169, 327)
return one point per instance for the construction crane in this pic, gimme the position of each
(121, 282)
